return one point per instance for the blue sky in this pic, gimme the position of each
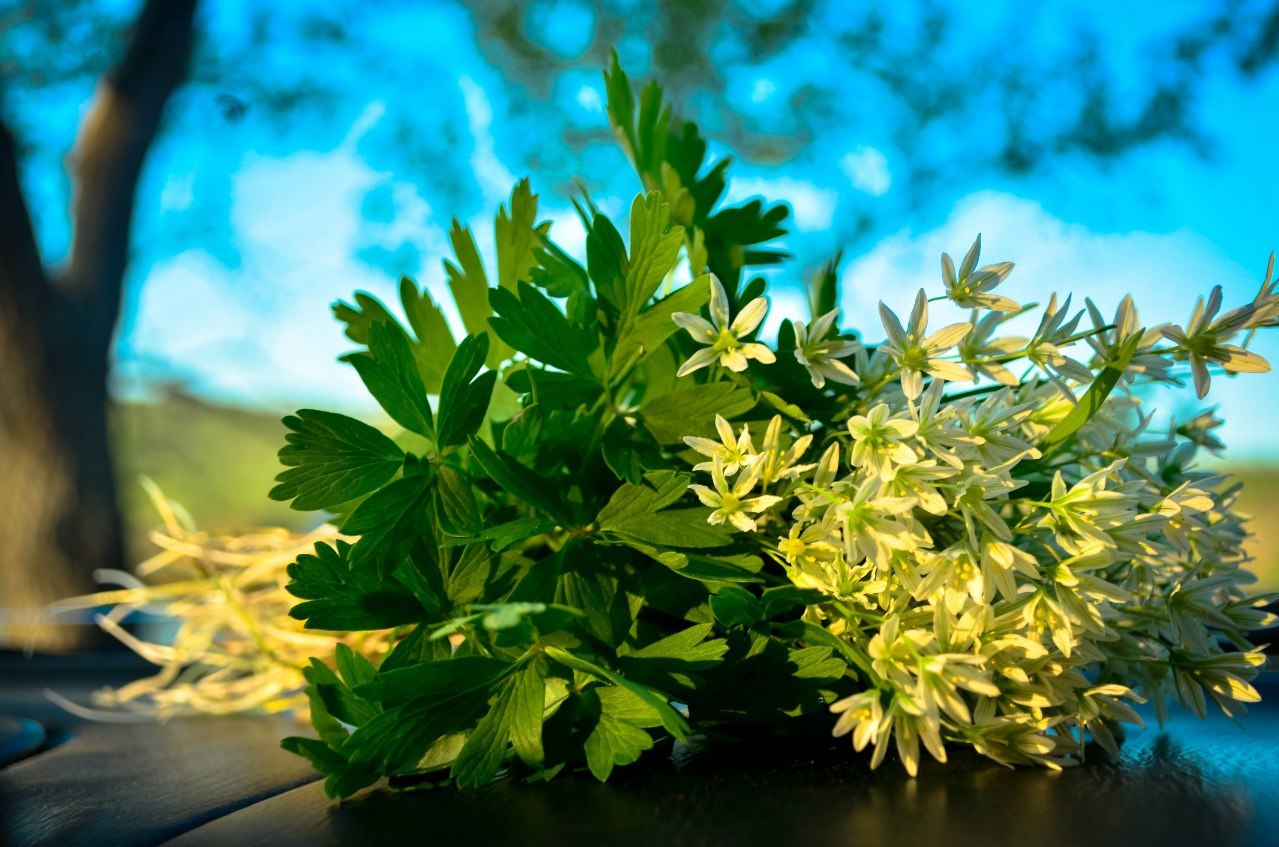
(247, 231)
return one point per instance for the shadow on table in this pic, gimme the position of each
(1165, 792)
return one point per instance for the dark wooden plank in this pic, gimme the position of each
(140, 784)
(1196, 784)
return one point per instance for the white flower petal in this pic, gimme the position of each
(952, 371)
(697, 326)
(719, 303)
(947, 337)
(734, 360)
(749, 317)
(893, 327)
(758, 352)
(697, 361)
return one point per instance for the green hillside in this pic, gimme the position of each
(216, 461)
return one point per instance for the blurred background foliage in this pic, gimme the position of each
(312, 149)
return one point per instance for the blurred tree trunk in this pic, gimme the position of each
(59, 515)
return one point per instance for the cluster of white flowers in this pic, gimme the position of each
(1010, 564)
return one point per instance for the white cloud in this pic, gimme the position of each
(867, 169)
(1164, 272)
(589, 99)
(494, 177)
(178, 193)
(762, 90)
(262, 333)
(812, 206)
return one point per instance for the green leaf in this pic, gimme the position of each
(499, 617)
(633, 512)
(435, 344)
(729, 231)
(514, 716)
(783, 598)
(332, 459)
(341, 598)
(818, 663)
(434, 680)
(643, 137)
(390, 374)
(339, 700)
(515, 239)
(686, 153)
(485, 747)
(352, 667)
(327, 706)
(672, 663)
(691, 411)
(464, 397)
(528, 704)
(507, 534)
(516, 236)
(684, 528)
(469, 577)
(467, 280)
(790, 410)
(532, 324)
(669, 718)
(367, 311)
(518, 480)
(818, 636)
(552, 389)
(322, 757)
(653, 326)
(823, 290)
(389, 521)
(734, 606)
(396, 740)
(619, 736)
(414, 648)
(558, 273)
(655, 245)
(457, 511)
(606, 261)
(608, 608)
(1093, 398)
(659, 490)
(688, 647)
(723, 567)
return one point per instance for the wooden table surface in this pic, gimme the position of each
(225, 781)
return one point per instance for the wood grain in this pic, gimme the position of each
(140, 784)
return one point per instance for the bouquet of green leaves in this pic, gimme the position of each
(616, 517)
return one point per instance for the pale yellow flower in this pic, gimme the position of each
(878, 441)
(732, 503)
(734, 451)
(970, 287)
(917, 354)
(724, 339)
(820, 355)
(1202, 342)
(862, 716)
(773, 463)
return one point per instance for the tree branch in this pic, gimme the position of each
(108, 156)
(23, 287)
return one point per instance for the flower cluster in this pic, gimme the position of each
(597, 533)
(1014, 564)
